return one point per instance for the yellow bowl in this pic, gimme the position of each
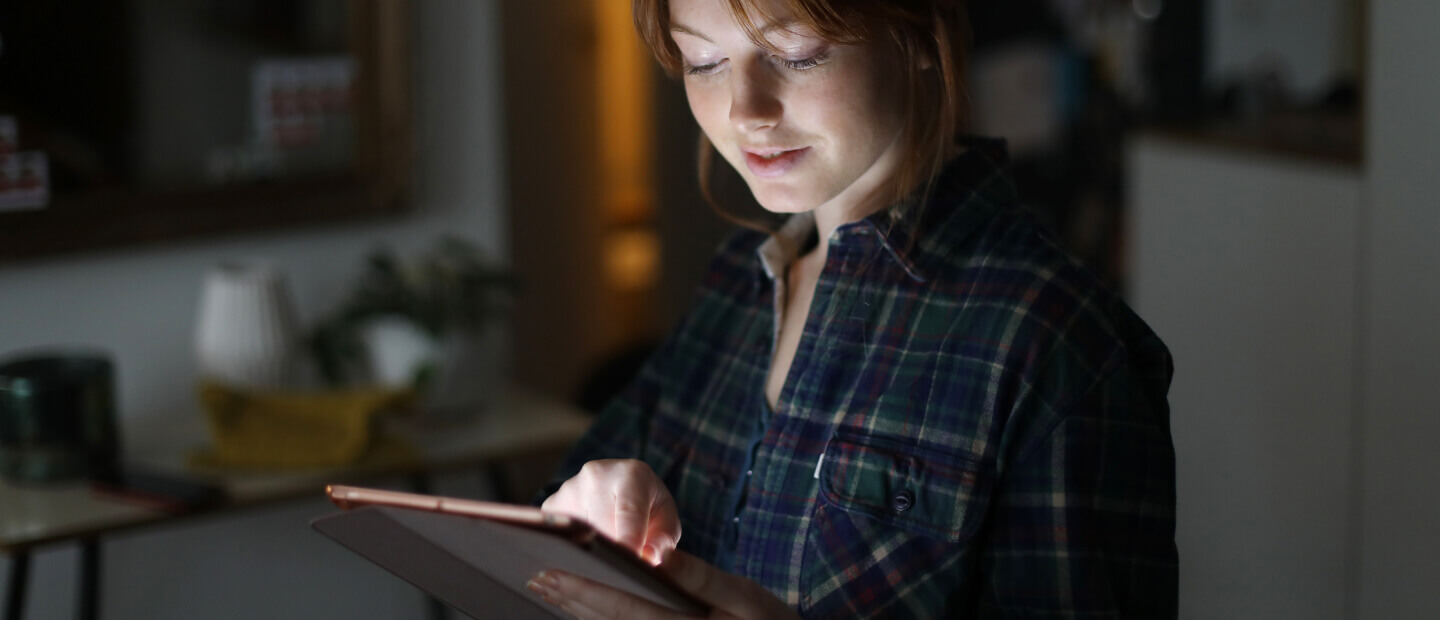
(294, 428)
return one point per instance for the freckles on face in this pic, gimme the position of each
(806, 124)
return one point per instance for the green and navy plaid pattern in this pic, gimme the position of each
(973, 425)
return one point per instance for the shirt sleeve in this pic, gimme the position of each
(1084, 519)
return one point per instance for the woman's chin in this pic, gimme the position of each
(777, 202)
(787, 210)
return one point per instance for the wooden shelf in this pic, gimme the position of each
(1332, 138)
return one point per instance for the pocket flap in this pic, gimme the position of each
(937, 494)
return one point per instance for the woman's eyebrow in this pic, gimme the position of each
(682, 29)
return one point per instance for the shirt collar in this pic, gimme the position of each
(785, 244)
(964, 194)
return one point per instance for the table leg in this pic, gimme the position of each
(89, 601)
(19, 581)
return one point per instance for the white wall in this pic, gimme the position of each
(1400, 568)
(140, 305)
(1310, 491)
(1247, 268)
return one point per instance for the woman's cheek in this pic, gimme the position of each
(702, 98)
(711, 111)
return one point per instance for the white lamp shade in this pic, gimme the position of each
(246, 334)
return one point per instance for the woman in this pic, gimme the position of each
(906, 401)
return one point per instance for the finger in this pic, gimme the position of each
(631, 520)
(584, 497)
(568, 499)
(587, 599)
(635, 494)
(555, 503)
(577, 609)
(657, 548)
(624, 500)
(664, 532)
(545, 591)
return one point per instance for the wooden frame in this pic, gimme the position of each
(378, 185)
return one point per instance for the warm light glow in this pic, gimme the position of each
(631, 249)
(623, 74)
(632, 259)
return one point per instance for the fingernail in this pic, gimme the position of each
(543, 585)
(547, 580)
(651, 554)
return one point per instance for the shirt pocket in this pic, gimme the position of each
(893, 531)
(934, 493)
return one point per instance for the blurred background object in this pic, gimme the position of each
(1277, 230)
(427, 323)
(57, 415)
(289, 114)
(247, 334)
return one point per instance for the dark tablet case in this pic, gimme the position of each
(479, 566)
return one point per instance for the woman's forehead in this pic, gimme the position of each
(763, 18)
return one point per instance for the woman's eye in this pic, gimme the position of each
(706, 69)
(802, 63)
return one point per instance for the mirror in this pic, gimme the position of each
(124, 122)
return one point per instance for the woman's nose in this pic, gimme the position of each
(754, 104)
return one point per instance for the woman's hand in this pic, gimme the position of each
(729, 596)
(626, 501)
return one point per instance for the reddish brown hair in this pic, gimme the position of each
(931, 37)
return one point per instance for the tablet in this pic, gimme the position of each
(477, 556)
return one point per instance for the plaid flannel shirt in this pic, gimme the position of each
(972, 427)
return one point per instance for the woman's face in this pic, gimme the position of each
(816, 125)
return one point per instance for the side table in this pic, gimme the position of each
(516, 424)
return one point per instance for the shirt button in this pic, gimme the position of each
(749, 472)
(903, 501)
(735, 520)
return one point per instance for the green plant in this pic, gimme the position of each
(452, 286)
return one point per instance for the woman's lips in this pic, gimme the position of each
(771, 163)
